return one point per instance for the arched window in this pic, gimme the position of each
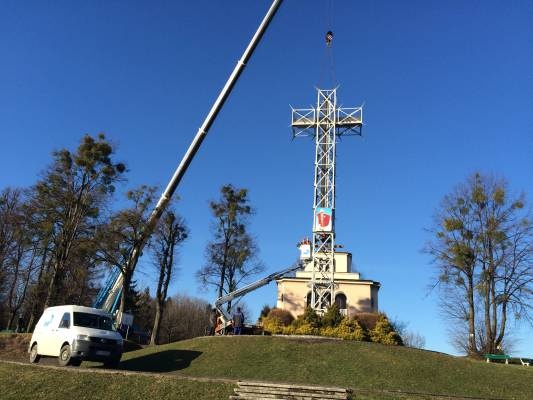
(308, 299)
(340, 301)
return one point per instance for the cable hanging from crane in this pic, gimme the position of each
(327, 70)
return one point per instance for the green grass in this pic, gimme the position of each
(374, 371)
(28, 382)
(360, 365)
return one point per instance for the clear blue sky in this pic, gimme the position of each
(447, 88)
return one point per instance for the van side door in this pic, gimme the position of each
(45, 332)
(62, 332)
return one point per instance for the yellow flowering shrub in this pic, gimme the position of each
(347, 329)
(384, 332)
(272, 325)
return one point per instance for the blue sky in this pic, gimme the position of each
(447, 88)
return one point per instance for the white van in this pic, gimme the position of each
(74, 334)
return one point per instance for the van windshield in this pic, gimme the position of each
(93, 321)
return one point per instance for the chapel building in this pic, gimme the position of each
(352, 294)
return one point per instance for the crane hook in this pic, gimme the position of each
(329, 38)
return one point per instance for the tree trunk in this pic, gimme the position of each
(157, 323)
(224, 262)
(125, 289)
(158, 307)
(45, 265)
(11, 296)
(11, 319)
(29, 326)
(51, 286)
(494, 322)
(492, 279)
(503, 322)
(487, 346)
(472, 347)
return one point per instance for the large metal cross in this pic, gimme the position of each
(325, 123)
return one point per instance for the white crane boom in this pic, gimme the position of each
(200, 136)
(164, 200)
(225, 316)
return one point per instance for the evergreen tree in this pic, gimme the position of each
(67, 202)
(231, 255)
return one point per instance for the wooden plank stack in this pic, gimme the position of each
(270, 391)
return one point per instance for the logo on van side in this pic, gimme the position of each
(46, 323)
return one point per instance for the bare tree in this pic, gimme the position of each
(45, 258)
(409, 337)
(483, 252)
(22, 271)
(184, 317)
(10, 203)
(170, 233)
(414, 340)
(17, 252)
(124, 231)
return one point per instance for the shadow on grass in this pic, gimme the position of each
(164, 361)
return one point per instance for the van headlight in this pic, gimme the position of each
(83, 337)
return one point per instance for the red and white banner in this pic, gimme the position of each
(323, 219)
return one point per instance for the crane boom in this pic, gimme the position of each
(225, 316)
(164, 200)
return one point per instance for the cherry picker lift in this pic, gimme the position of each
(224, 317)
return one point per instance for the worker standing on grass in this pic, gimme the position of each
(238, 320)
(219, 326)
(20, 325)
(213, 321)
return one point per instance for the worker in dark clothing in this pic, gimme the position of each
(212, 321)
(238, 321)
(20, 325)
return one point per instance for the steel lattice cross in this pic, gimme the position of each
(325, 123)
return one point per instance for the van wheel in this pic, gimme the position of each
(112, 363)
(65, 357)
(75, 362)
(34, 354)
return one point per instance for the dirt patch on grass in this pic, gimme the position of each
(14, 346)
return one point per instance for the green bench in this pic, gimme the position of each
(490, 357)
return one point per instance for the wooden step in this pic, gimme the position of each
(296, 394)
(270, 391)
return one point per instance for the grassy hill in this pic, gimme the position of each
(373, 370)
(359, 365)
(28, 382)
